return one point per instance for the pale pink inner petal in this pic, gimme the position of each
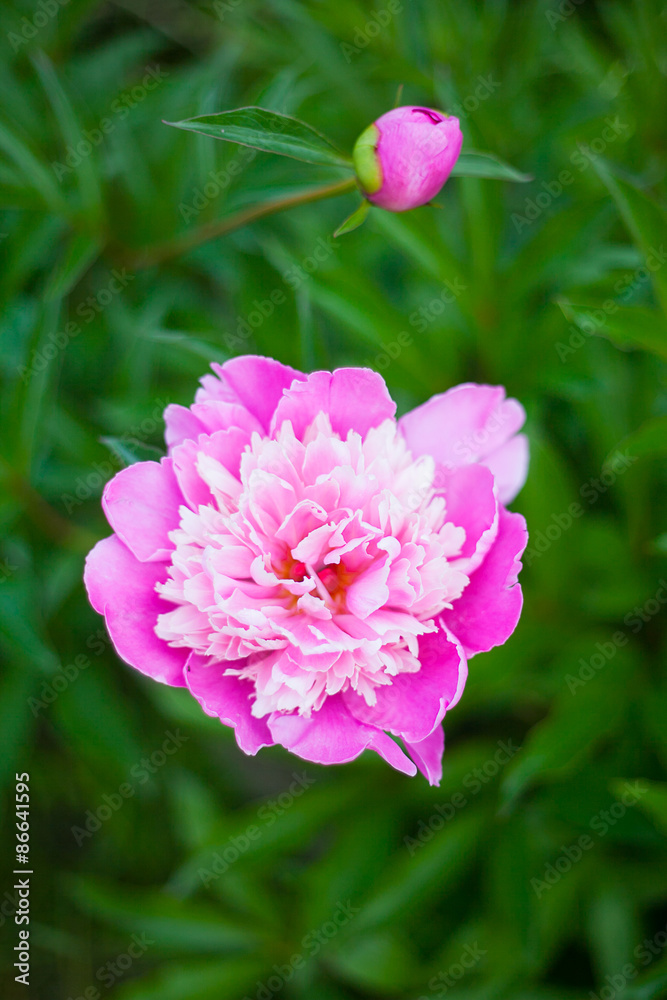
(310, 564)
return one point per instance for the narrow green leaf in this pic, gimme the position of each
(270, 132)
(435, 870)
(201, 980)
(646, 221)
(129, 450)
(653, 990)
(648, 440)
(175, 924)
(562, 740)
(355, 220)
(653, 801)
(632, 328)
(81, 253)
(475, 164)
(36, 176)
(72, 132)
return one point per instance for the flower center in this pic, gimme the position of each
(316, 569)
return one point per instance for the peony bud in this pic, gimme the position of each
(403, 159)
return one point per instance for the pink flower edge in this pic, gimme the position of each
(317, 574)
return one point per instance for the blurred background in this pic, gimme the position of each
(531, 874)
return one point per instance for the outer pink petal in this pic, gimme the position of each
(468, 423)
(257, 383)
(123, 590)
(427, 755)
(355, 399)
(227, 446)
(486, 613)
(228, 699)
(414, 704)
(141, 504)
(509, 465)
(471, 503)
(333, 736)
(180, 425)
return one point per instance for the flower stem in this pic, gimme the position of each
(150, 256)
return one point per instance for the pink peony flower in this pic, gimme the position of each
(316, 573)
(404, 158)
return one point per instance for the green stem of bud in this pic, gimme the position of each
(150, 256)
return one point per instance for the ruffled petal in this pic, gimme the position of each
(415, 703)
(487, 612)
(123, 590)
(427, 755)
(471, 504)
(228, 699)
(141, 503)
(254, 382)
(332, 736)
(466, 424)
(354, 399)
(225, 447)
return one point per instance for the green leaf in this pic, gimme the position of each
(129, 450)
(270, 132)
(434, 871)
(72, 131)
(355, 220)
(35, 175)
(648, 440)
(81, 253)
(632, 328)
(475, 164)
(646, 221)
(207, 980)
(653, 990)
(186, 342)
(653, 801)
(562, 740)
(175, 924)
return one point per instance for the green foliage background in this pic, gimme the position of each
(527, 280)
